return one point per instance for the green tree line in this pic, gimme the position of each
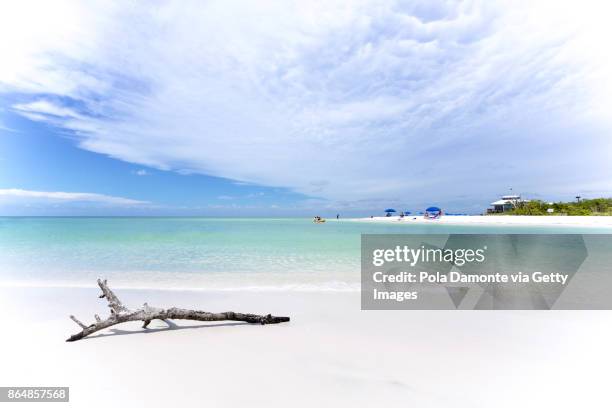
(595, 206)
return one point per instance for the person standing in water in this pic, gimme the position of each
(337, 216)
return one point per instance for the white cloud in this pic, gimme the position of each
(255, 195)
(142, 172)
(46, 108)
(343, 101)
(12, 195)
(6, 128)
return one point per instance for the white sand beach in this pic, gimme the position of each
(330, 354)
(518, 220)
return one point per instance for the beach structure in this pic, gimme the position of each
(506, 203)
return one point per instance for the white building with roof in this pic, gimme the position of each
(506, 203)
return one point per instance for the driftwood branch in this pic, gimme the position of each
(121, 314)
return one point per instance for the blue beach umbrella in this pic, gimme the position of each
(433, 212)
(389, 211)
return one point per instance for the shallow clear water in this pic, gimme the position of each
(199, 253)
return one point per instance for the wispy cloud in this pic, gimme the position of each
(15, 194)
(6, 128)
(142, 172)
(255, 195)
(3, 126)
(344, 102)
(46, 109)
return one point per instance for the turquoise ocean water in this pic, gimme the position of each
(200, 253)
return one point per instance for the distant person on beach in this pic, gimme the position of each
(337, 216)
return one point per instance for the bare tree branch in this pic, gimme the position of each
(121, 314)
(77, 321)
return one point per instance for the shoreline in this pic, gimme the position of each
(327, 287)
(510, 220)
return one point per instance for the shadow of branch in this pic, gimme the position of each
(171, 326)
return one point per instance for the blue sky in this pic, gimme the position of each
(283, 108)
(38, 158)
